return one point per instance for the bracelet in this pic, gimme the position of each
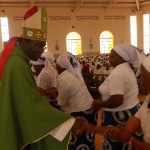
(130, 140)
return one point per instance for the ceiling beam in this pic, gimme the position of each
(78, 4)
(137, 4)
(111, 3)
(32, 3)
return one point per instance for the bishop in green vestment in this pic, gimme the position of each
(25, 118)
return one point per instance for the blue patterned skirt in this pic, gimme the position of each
(87, 140)
(121, 118)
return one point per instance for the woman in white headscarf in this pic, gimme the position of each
(37, 66)
(46, 77)
(75, 99)
(120, 91)
(140, 120)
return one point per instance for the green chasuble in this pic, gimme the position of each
(25, 117)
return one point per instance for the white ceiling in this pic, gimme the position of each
(76, 4)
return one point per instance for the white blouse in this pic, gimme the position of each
(121, 81)
(144, 115)
(73, 96)
(47, 78)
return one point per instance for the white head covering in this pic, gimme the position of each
(50, 57)
(130, 54)
(146, 64)
(38, 62)
(49, 63)
(69, 62)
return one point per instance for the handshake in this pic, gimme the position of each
(118, 133)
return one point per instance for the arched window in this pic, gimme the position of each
(106, 42)
(73, 42)
(4, 30)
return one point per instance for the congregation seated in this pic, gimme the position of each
(87, 75)
(98, 75)
(91, 67)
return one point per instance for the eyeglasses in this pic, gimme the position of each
(38, 45)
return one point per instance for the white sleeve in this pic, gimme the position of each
(138, 114)
(116, 84)
(63, 92)
(142, 110)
